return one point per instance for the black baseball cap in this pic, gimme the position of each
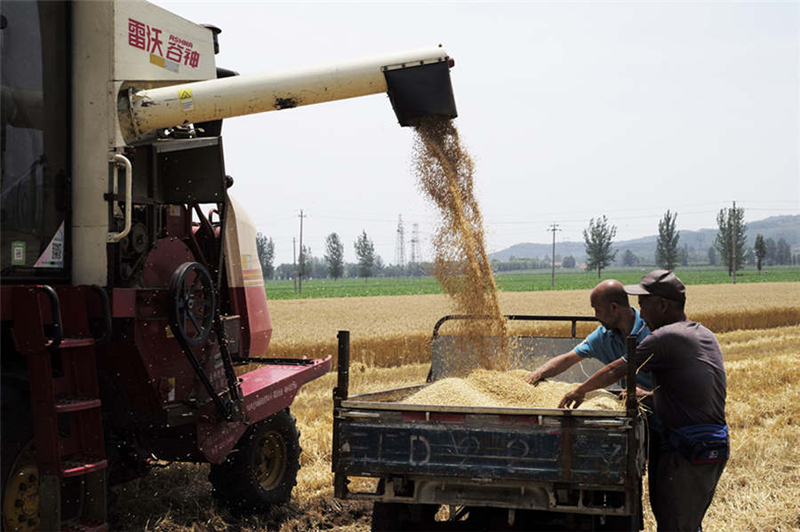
(662, 283)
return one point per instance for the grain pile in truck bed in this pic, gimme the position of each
(506, 388)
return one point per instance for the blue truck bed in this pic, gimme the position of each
(510, 443)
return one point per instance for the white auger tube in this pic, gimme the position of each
(203, 101)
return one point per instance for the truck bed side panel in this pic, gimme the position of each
(537, 453)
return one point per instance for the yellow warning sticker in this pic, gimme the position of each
(157, 60)
(187, 103)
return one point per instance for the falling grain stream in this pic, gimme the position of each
(445, 171)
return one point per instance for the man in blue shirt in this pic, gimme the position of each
(607, 343)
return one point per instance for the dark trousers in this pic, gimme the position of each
(653, 447)
(680, 492)
(653, 453)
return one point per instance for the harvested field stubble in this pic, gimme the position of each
(759, 490)
(395, 330)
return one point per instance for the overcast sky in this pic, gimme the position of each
(570, 110)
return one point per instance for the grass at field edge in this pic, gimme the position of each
(511, 282)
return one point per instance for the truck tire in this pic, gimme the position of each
(389, 516)
(262, 470)
(620, 523)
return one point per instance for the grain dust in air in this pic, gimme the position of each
(445, 171)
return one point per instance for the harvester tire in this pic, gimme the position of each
(19, 508)
(262, 470)
(17, 433)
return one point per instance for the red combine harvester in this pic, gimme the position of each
(131, 286)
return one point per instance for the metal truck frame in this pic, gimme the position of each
(501, 468)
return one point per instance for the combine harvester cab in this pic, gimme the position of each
(134, 317)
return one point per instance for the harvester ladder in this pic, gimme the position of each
(65, 399)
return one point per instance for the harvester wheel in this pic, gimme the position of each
(20, 472)
(20, 508)
(193, 307)
(262, 470)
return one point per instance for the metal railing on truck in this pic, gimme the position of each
(450, 356)
(516, 317)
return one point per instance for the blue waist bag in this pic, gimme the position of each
(701, 444)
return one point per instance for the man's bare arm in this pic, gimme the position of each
(554, 366)
(605, 376)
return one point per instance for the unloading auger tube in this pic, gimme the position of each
(418, 84)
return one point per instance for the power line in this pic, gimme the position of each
(545, 217)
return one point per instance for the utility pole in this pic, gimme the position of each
(553, 228)
(294, 262)
(734, 239)
(416, 253)
(400, 245)
(302, 257)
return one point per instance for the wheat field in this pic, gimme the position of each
(396, 330)
(757, 327)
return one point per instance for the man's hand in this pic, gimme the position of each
(641, 394)
(534, 378)
(573, 399)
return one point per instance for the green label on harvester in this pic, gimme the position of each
(18, 253)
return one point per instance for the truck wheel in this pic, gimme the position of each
(388, 516)
(619, 523)
(262, 470)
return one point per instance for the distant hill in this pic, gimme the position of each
(774, 227)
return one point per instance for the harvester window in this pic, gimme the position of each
(34, 140)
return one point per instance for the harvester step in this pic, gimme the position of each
(75, 404)
(73, 466)
(67, 343)
(85, 526)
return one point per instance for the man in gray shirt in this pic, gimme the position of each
(689, 400)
